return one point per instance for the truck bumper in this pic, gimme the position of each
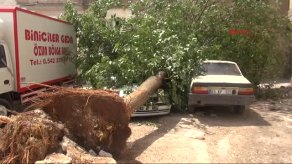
(201, 100)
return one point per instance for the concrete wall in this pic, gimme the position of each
(8, 2)
(51, 8)
(54, 8)
(119, 12)
(290, 10)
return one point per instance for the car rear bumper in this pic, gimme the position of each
(200, 99)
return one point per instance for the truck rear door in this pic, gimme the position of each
(5, 74)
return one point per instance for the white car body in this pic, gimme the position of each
(223, 84)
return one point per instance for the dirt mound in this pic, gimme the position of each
(95, 118)
(29, 137)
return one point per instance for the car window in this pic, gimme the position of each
(221, 69)
(2, 57)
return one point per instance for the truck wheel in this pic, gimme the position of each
(239, 109)
(4, 105)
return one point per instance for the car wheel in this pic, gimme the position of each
(4, 105)
(239, 109)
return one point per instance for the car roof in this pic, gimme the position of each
(218, 61)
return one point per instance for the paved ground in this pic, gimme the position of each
(262, 134)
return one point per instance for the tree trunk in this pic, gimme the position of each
(143, 92)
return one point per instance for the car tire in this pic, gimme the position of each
(7, 105)
(239, 109)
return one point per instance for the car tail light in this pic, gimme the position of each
(245, 91)
(200, 90)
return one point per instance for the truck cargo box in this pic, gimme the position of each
(40, 47)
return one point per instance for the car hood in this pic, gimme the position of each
(221, 79)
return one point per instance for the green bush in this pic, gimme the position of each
(175, 36)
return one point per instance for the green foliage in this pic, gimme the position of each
(260, 53)
(95, 39)
(175, 36)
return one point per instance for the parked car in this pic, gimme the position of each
(222, 84)
(156, 105)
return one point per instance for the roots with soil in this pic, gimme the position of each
(29, 137)
(96, 119)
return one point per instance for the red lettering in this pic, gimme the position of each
(49, 37)
(35, 36)
(40, 36)
(57, 38)
(44, 36)
(53, 37)
(238, 32)
(66, 39)
(27, 35)
(232, 32)
(62, 38)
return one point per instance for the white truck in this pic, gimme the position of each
(34, 49)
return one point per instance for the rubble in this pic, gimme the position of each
(104, 154)
(79, 156)
(55, 158)
(32, 137)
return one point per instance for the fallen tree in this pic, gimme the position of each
(103, 116)
(94, 119)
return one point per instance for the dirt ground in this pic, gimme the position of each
(262, 134)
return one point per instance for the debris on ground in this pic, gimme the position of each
(199, 135)
(79, 156)
(29, 137)
(32, 137)
(104, 154)
(55, 158)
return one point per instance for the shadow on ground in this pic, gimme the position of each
(201, 119)
(140, 145)
(223, 116)
(274, 110)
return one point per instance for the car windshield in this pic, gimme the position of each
(221, 69)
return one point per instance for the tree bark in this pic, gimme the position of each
(143, 92)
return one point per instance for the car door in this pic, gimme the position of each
(5, 74)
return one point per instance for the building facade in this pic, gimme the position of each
(52, 8)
